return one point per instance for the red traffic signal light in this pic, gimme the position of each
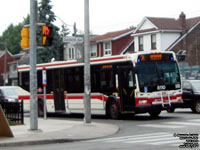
(47, 35)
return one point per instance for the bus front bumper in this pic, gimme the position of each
(148, 108)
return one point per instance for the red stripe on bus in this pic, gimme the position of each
(51, 96)
(71, 63)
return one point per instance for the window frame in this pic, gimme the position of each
(93, 50)
(153, 43)
(107, 51)
(141, 43)
(71, 53)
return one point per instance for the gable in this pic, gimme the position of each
(147, 24)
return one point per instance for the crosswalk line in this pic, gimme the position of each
(161, 126)
(169, 141)
(160, 138)
(129, 137)
(141, 138)
(151, 139)
(194, 120)
(184, 123)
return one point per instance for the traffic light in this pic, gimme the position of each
(47, 35)
(25, 42)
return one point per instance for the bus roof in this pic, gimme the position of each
(71, 63)
(99, 60)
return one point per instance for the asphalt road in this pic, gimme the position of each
(139, 132)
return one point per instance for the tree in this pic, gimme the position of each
(46, 15)
(12, 37)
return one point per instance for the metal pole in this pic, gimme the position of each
(87, 85)
(5, 65)
(44, 82)
(45, 104)
(33, 71)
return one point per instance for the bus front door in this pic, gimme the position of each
(58, 90)
(127, 88)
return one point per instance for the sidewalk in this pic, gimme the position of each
(55, 131)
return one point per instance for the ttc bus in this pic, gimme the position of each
(143, 82)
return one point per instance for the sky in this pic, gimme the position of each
(105, 15)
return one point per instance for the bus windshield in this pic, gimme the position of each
(158, 75)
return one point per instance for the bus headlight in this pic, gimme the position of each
(142, 101)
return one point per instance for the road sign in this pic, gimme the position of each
(73, 40)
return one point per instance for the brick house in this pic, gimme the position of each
(5, 58)
(112, 43)
(170, 34)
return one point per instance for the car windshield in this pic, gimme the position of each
(196, 86)
(10, 92)
(154, 76)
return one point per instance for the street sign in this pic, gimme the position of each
(73, 40)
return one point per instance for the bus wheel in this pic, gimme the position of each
(40, 108)
(196, 107)
(113, 110)
(154, 113)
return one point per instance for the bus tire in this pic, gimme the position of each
(40, 108)
(154, 113)
(196, 106)
(113, 110)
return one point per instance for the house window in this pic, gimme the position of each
(93, 52)
(107, 49)
(153, 41)
(71, 53)
(140, 42)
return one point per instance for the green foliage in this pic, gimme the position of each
(11, 38)
(12, 35)
(46, 15)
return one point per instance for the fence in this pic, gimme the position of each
(14, 111)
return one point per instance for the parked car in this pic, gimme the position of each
(191, 95)
(10, 93)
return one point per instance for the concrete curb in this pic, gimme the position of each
(75, 132)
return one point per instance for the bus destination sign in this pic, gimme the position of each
(155, 57)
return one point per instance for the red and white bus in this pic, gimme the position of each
(143, 82)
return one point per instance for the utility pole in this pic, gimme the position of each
(5, 67)
(33, 71)
(5, 63)
(87, 85)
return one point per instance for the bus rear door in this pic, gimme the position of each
(127, 88)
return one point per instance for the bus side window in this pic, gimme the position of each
(95, 81)
(107, 80)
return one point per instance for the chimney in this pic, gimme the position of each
(182, 22)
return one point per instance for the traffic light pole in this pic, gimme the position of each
(87, 85)
(33, 71)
